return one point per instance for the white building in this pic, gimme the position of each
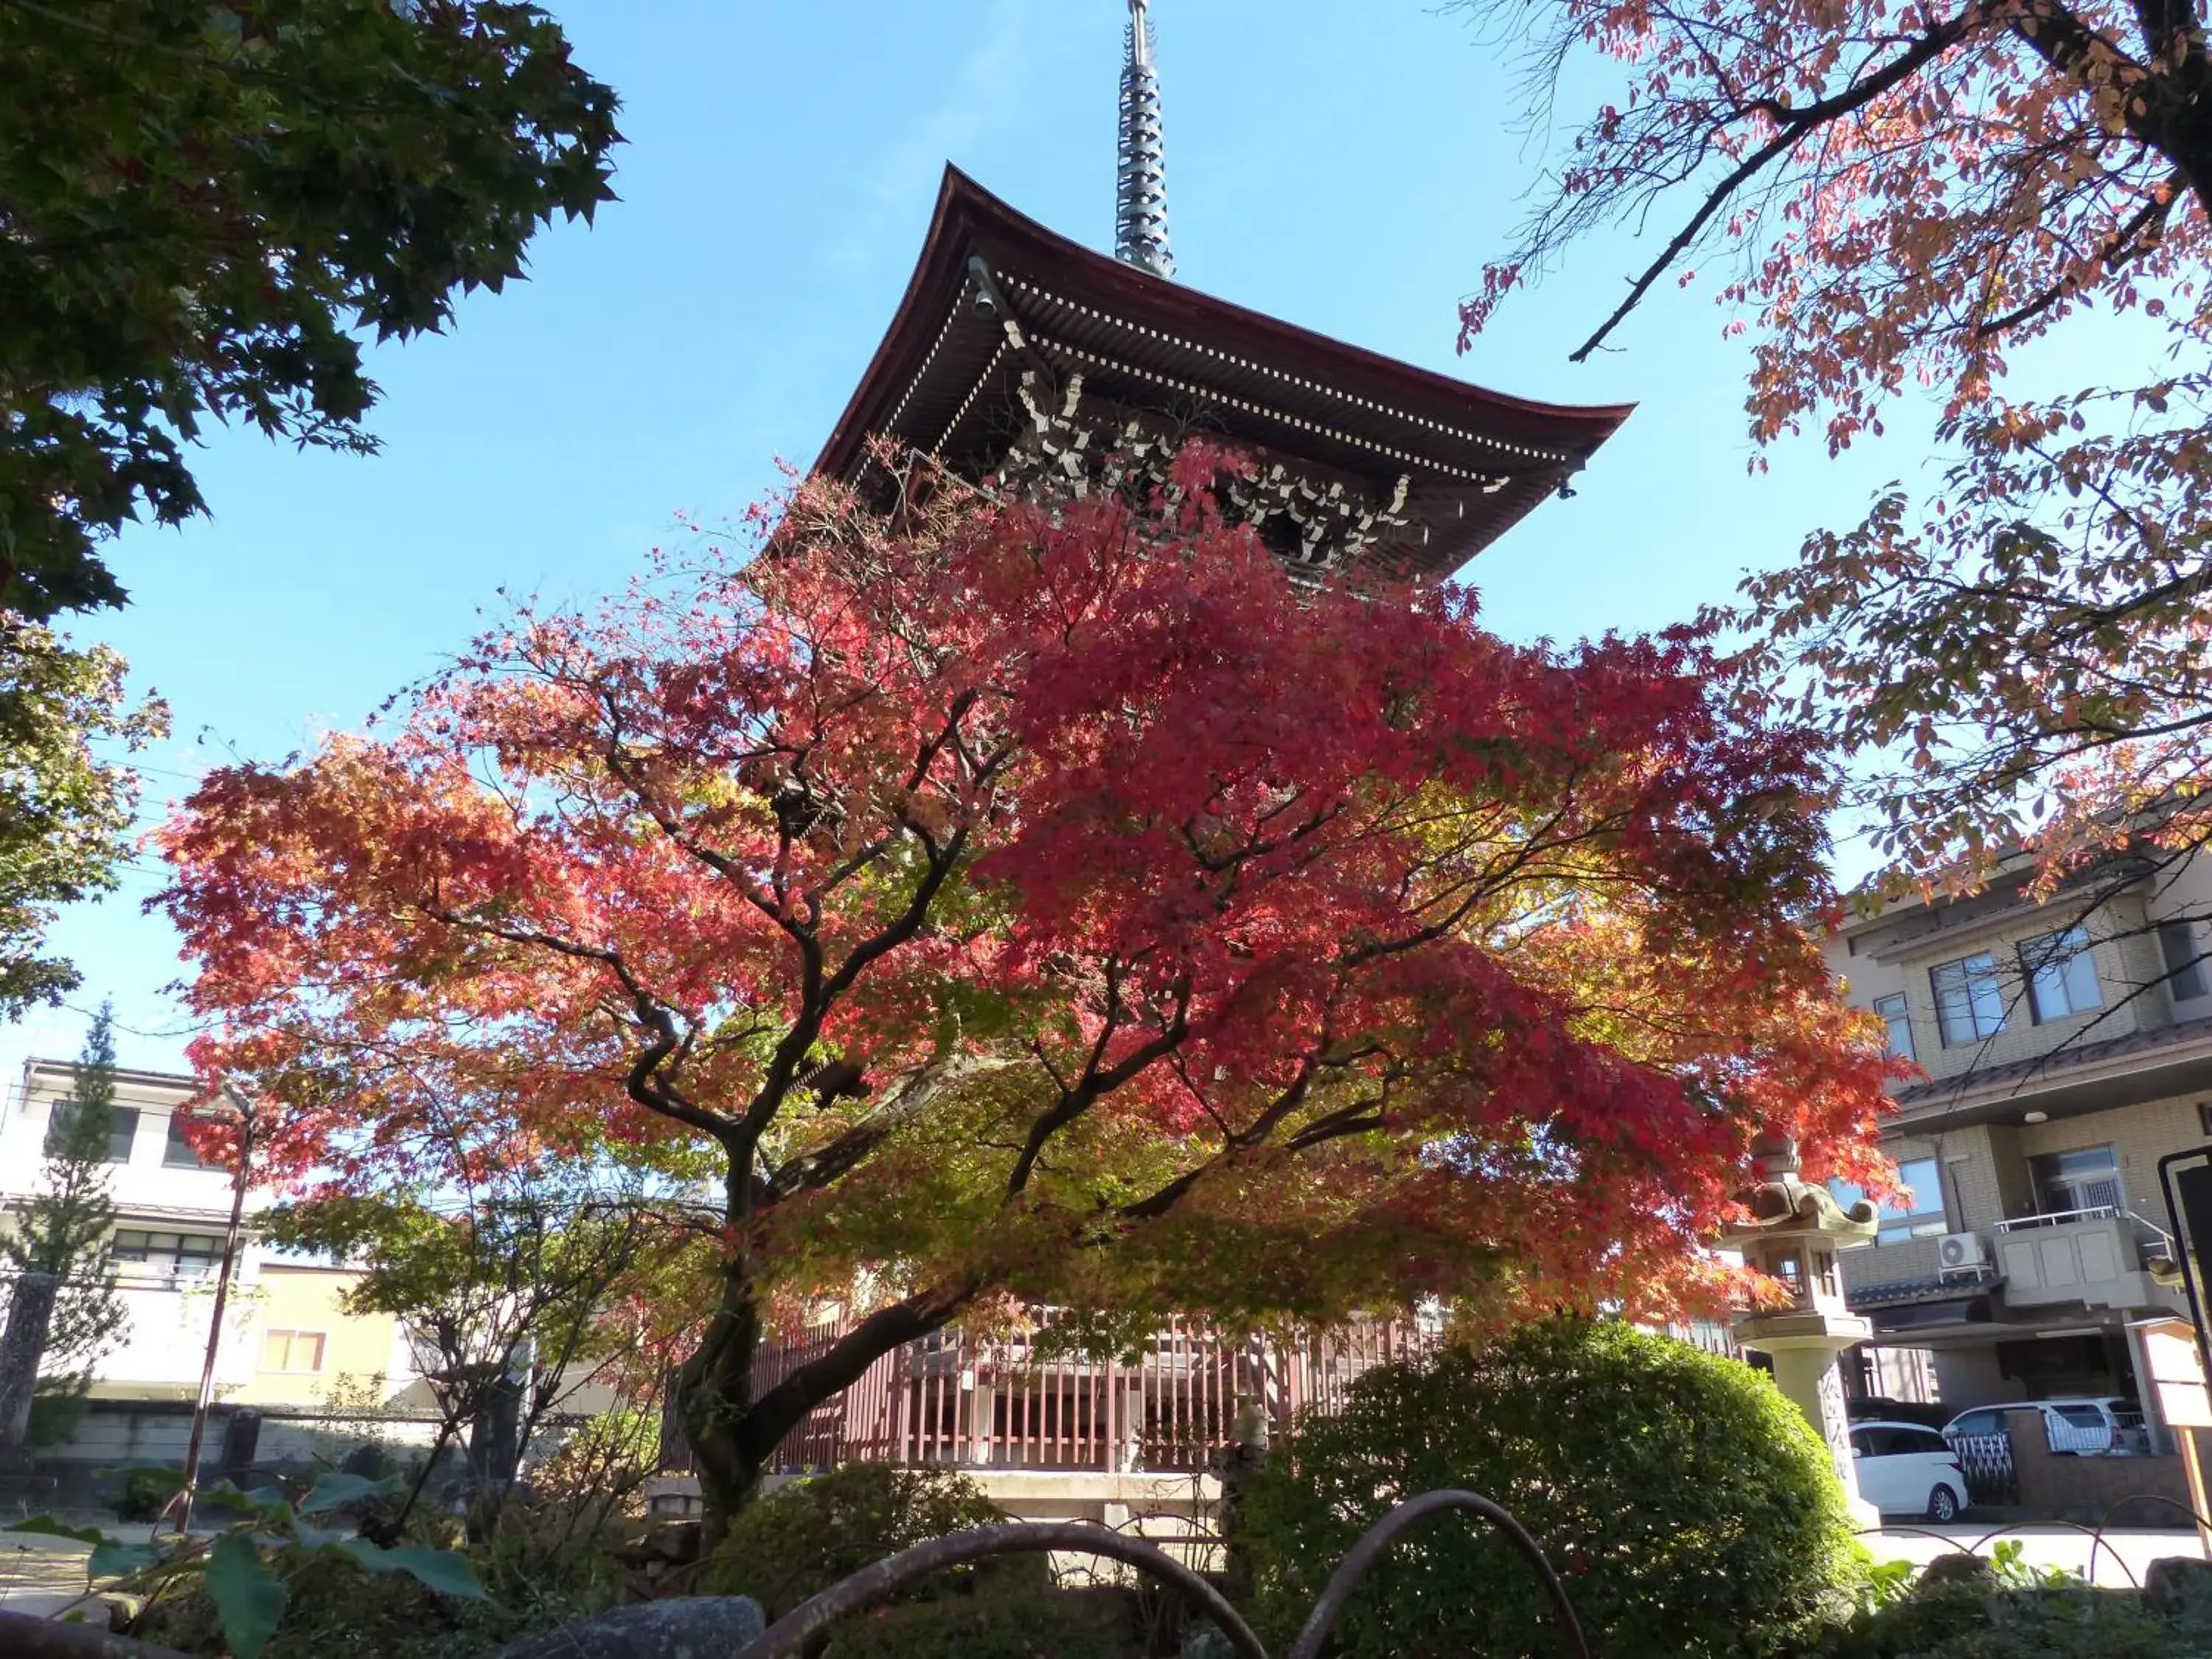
(286, 1342)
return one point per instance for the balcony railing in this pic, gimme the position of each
(2060, 1217)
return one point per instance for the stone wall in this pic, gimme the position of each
(2138, 1491)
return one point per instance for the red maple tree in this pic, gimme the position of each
(1054, 902)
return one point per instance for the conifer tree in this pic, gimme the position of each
(63, 1230)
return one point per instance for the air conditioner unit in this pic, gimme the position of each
(1962, 1252)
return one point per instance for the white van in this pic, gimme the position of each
(2087, 1425)
(1908, 1469)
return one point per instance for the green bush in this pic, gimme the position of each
(144, 1495)
(335, 1611)
(1690, 1510)
(1019, 1623)
(1932, 1613)
(799, 1541)
(2047, 1624)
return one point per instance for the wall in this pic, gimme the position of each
(356, 1348)
(2093, 1491)
(1986, 1178)
(2140, 1136)
(2125, 960)
(145, 1182)
(164, 1340)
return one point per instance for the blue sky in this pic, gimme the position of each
(1347, 168)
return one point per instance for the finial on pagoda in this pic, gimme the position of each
(1141, 199)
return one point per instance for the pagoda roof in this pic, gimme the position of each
(996, 294)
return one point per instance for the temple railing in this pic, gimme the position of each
(1027, 1403)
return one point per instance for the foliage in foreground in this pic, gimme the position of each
(1690, 1510)
(1048, 900)
(204, 208)
(242, 1580)
(798, 1541)
(65, 812)
(2049, 1621)
(1031, 1621)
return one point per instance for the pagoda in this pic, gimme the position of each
(1014, 347)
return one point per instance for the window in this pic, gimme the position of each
(2062, 978)
(1969, 1005)
(297, 1352)
(122, 1125)
(1983, 1422)
(2088, 1178)
(2185, 963)
(1900, 1019)
(1896, 1440)
(178, 1153)
(1919, 1214)
(188, 1256)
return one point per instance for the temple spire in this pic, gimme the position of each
(1141, 220)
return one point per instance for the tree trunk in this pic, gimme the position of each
(714, 1400)
(733, 1434)
(30, 1314)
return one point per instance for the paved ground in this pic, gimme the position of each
(40, 1576)
(2123, 1558)
(43, 1575)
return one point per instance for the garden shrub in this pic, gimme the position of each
(336, 1611)
(1937, 1608)
(2047, 1624)
(795, 1542)
(1021, 1622)
(1690, 1508)
(142, 1495)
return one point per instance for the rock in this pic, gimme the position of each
(693, 1627)
(2180, 1587)
(1202, 1641)
(1959, 1570)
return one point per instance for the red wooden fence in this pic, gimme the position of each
(1024, 1402)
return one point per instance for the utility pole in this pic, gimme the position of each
(179, 1507)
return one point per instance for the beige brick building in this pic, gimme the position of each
(2068, 1047)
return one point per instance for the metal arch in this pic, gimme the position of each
(2099, 1544)
(1408, 1516)
(872, 1584)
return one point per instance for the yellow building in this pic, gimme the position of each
(303, 1346)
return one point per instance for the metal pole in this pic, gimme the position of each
(179, 1507)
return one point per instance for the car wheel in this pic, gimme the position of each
(1942, 1505)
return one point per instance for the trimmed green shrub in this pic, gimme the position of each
(1016, 1623)
(142, 1495)
(1690, 1508)
(798, 1541)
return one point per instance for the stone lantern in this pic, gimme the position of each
(1794, 1235)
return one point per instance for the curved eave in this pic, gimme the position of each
(1364, 385)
